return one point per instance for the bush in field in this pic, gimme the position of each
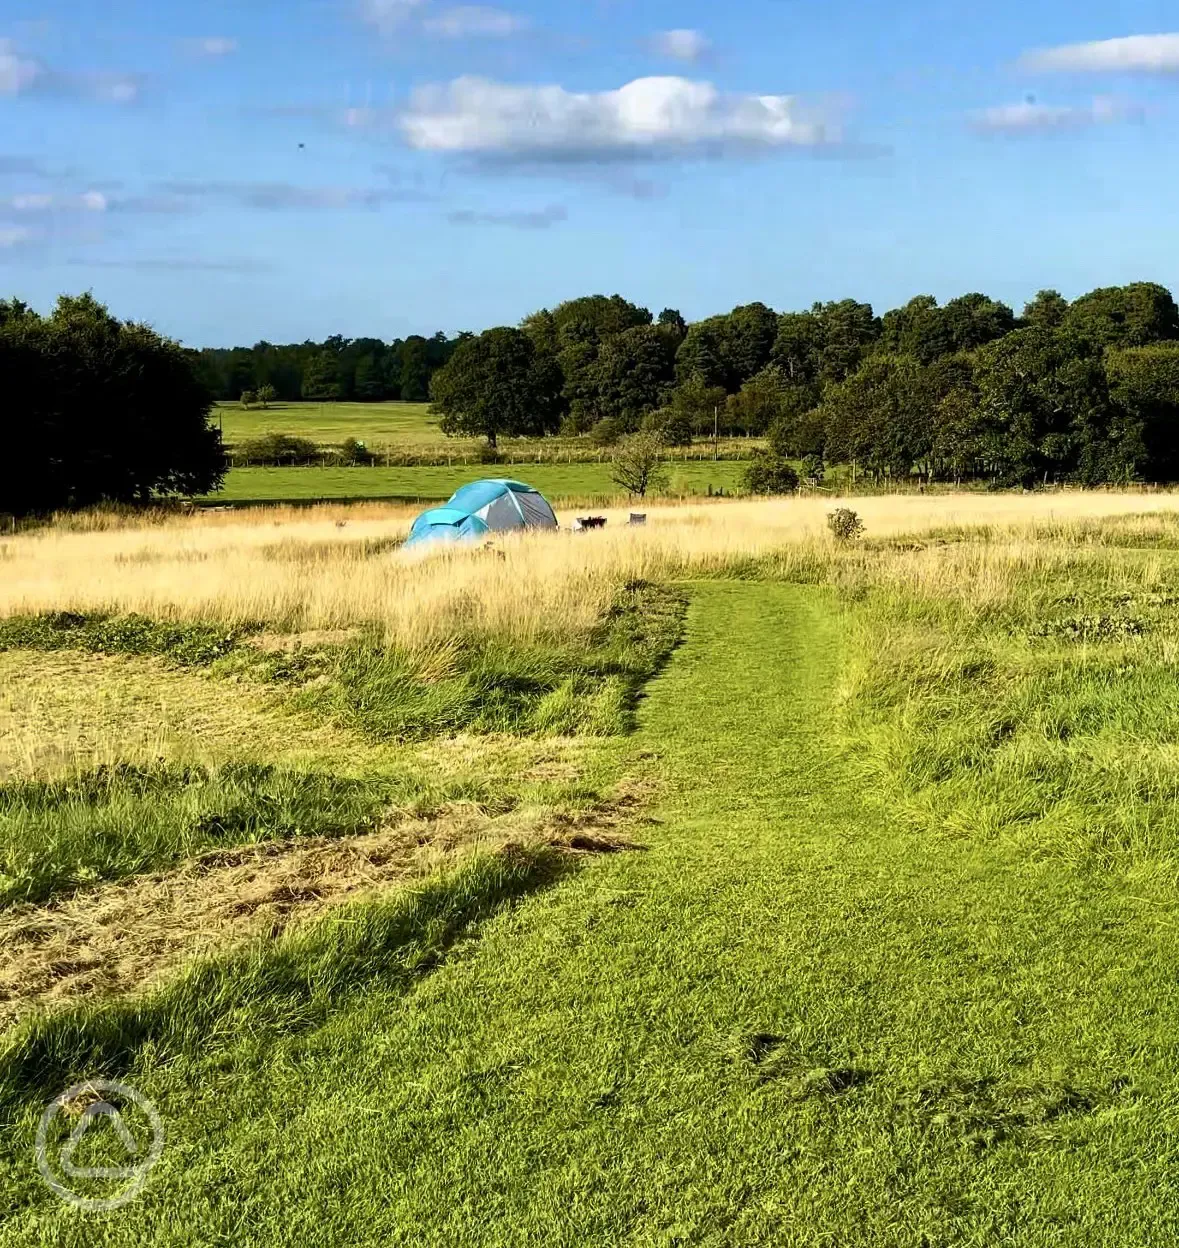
(279, 449)
(354, 453)
(249, 398)
(606, 432)
(844, 524)
(770, 473)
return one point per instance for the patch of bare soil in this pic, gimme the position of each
(119, 938)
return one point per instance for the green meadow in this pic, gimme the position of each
(825, 900)
(430, 483)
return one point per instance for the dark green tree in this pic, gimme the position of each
(1046, 311)
(1137, 315)
(634, 374)
(321, 381)
(99, 410)
(498, 385)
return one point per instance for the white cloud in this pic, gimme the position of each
(1032, 116)
(13, 236)
(42, 202)
(277, 196)
(31, 203)
(20, 73)
(650, 116)
(387, 15)
(475, 21)
(681, 45)
(541, 219)
(17, 72)
(213, 45)
(113, 88)
(1142, 54)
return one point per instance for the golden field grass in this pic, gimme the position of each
(335, 567)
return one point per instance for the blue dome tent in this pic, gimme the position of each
(483, 507)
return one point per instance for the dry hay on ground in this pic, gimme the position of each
(121, 938)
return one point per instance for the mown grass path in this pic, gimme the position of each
(789, 1022)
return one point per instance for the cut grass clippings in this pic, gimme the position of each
(287, 985)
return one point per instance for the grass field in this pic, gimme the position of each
(329, 424)
(707, 883)
(428, 484)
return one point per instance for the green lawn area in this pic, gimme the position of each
(799, 1016)
(428, 484)
(328, 424)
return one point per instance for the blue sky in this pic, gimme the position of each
(231, 171)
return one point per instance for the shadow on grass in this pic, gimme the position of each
(275, 987)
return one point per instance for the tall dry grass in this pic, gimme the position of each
(334, 567)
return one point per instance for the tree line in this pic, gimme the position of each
(97, 409)
(1086, 391)
(363, 370)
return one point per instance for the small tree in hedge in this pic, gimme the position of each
(769, 473)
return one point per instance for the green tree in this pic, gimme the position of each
(1137, 315)
(672, 428)
(848, 330)
(1144, 383)
(770, 473)
(798, 347)
(321, 380)
(699, 404)
(414, 378)
(267, 394)
(760, 403)
(638, 466)
(880, 416)
(248, 399)
(154, 438)
(369, 379)
(633, 374)
(702, 355)
(750, 334)
(498, 385)
(1046, 411)
(1046, 311)
(974, 320)
(673, 324)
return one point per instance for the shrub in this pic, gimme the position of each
(488, 454)
(278, 449)
(606, 432)
(353, 453)
(844, 524)
(813, 467)
(671, 427)
(770, 473)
